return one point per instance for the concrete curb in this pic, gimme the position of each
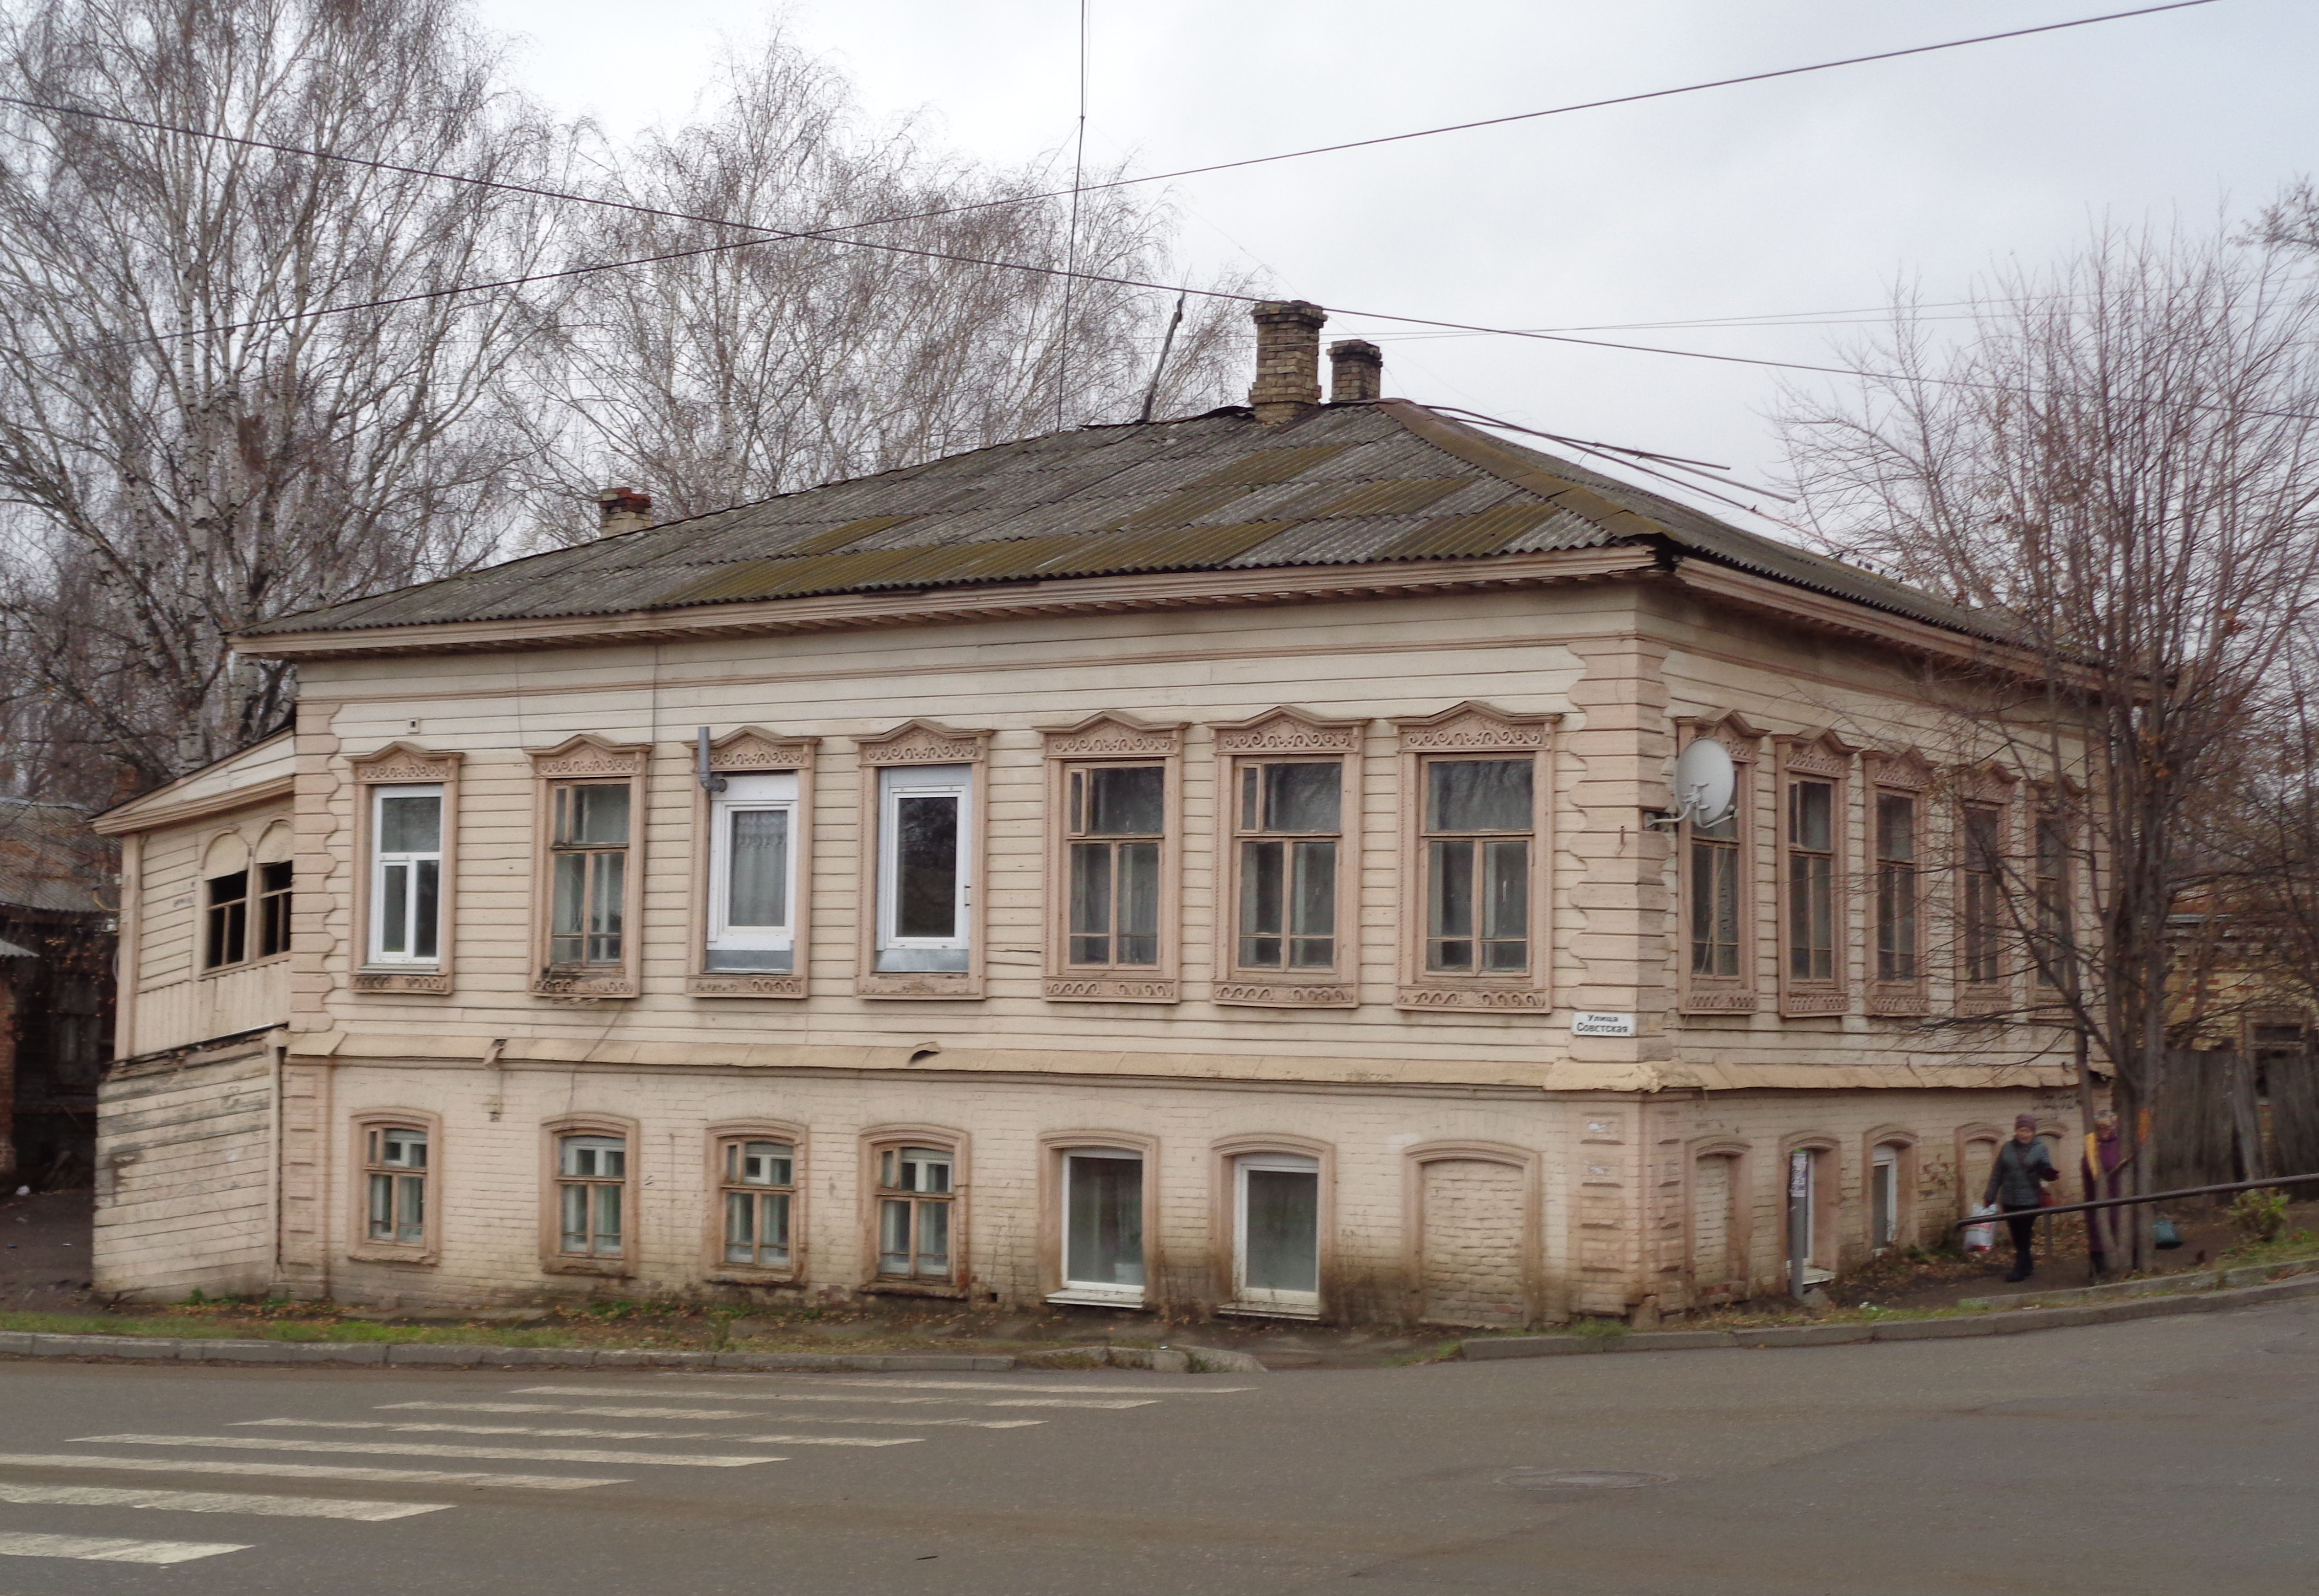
(2007, 1323)
(437, 1355)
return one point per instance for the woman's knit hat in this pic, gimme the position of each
(2025, 1121)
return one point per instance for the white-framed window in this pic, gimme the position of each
(917, 1195)
(753, 829)
(395, 1171)
(925, 868)
(592, 1183)
(758, 1181)
(1103, 1226)
(1276, 1232)
(1884, 1197)
(406, 874)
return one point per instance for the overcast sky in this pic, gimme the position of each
(1803, 196)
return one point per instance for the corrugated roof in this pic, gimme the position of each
(1346, 486)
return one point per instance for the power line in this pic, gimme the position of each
(1072, 246)
(829, 234)
(1078, 189)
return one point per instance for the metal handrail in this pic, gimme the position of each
(2187, 1191)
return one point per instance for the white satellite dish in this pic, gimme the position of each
(1705, 783)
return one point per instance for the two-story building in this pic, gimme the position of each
(1159, 865)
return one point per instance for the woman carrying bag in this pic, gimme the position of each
(2016, 1184)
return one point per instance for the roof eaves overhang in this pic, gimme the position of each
(1188, 590)
(1848, 617)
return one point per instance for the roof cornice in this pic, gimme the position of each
(136, 815)
(1186, 590)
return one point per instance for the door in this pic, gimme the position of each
(1471, 1245)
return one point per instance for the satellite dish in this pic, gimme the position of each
(1705, 784)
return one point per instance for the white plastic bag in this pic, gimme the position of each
(1982, 1237)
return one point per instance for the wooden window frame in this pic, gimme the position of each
(1827, 759)
(552, 1259)
(1991, 788)
(581, 761)
(1101, 740)
(1739, 1230)
(2046, 812)
(1699, 994)
(1903, 1143)
(922, 742)
(406, 765)
(205, 879)
(1287, 735)
(1055, 1149)
(1905, 775)
(752, 750)
(880, 1140)
(1225, 1158)
(717, 1268)
(1530, 1167)
(360, 1246)
(1474, 730)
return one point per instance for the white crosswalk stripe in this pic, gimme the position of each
(601, 1435)
(415, 1449)
(212, 1502)
(599, 1412)
(849, 1384)
(108, 1548)
(300, 1471)
(823, 1396)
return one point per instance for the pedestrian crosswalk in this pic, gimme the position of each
(740, 1423)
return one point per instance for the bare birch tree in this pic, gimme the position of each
(2117, 467)
(177, 462)
(732, 375)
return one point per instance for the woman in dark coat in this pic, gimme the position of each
(2017, 1184)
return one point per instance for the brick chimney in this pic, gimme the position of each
(622, 509)
(1288, 360)
(1356, 371)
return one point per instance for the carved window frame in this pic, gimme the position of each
(1110, 739)
(1995, 787)
(919, 742)
(1821, 758)
(1713, 994)
(406, 765)
(1474, 730)
(718, 1138)
(582, 760)
(1268, 738)
(1910, 776)
(752, 750)
(360, 1246)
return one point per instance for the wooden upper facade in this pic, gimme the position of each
(1385, 820)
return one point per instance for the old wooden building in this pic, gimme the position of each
(1155, 866)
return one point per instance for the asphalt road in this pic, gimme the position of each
(2170, 1456)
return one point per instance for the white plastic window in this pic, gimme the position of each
(406, 874)
(926, 866)
(1102, 1225)
(752, 875)
(1884, 1198)
(1277, 1262)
